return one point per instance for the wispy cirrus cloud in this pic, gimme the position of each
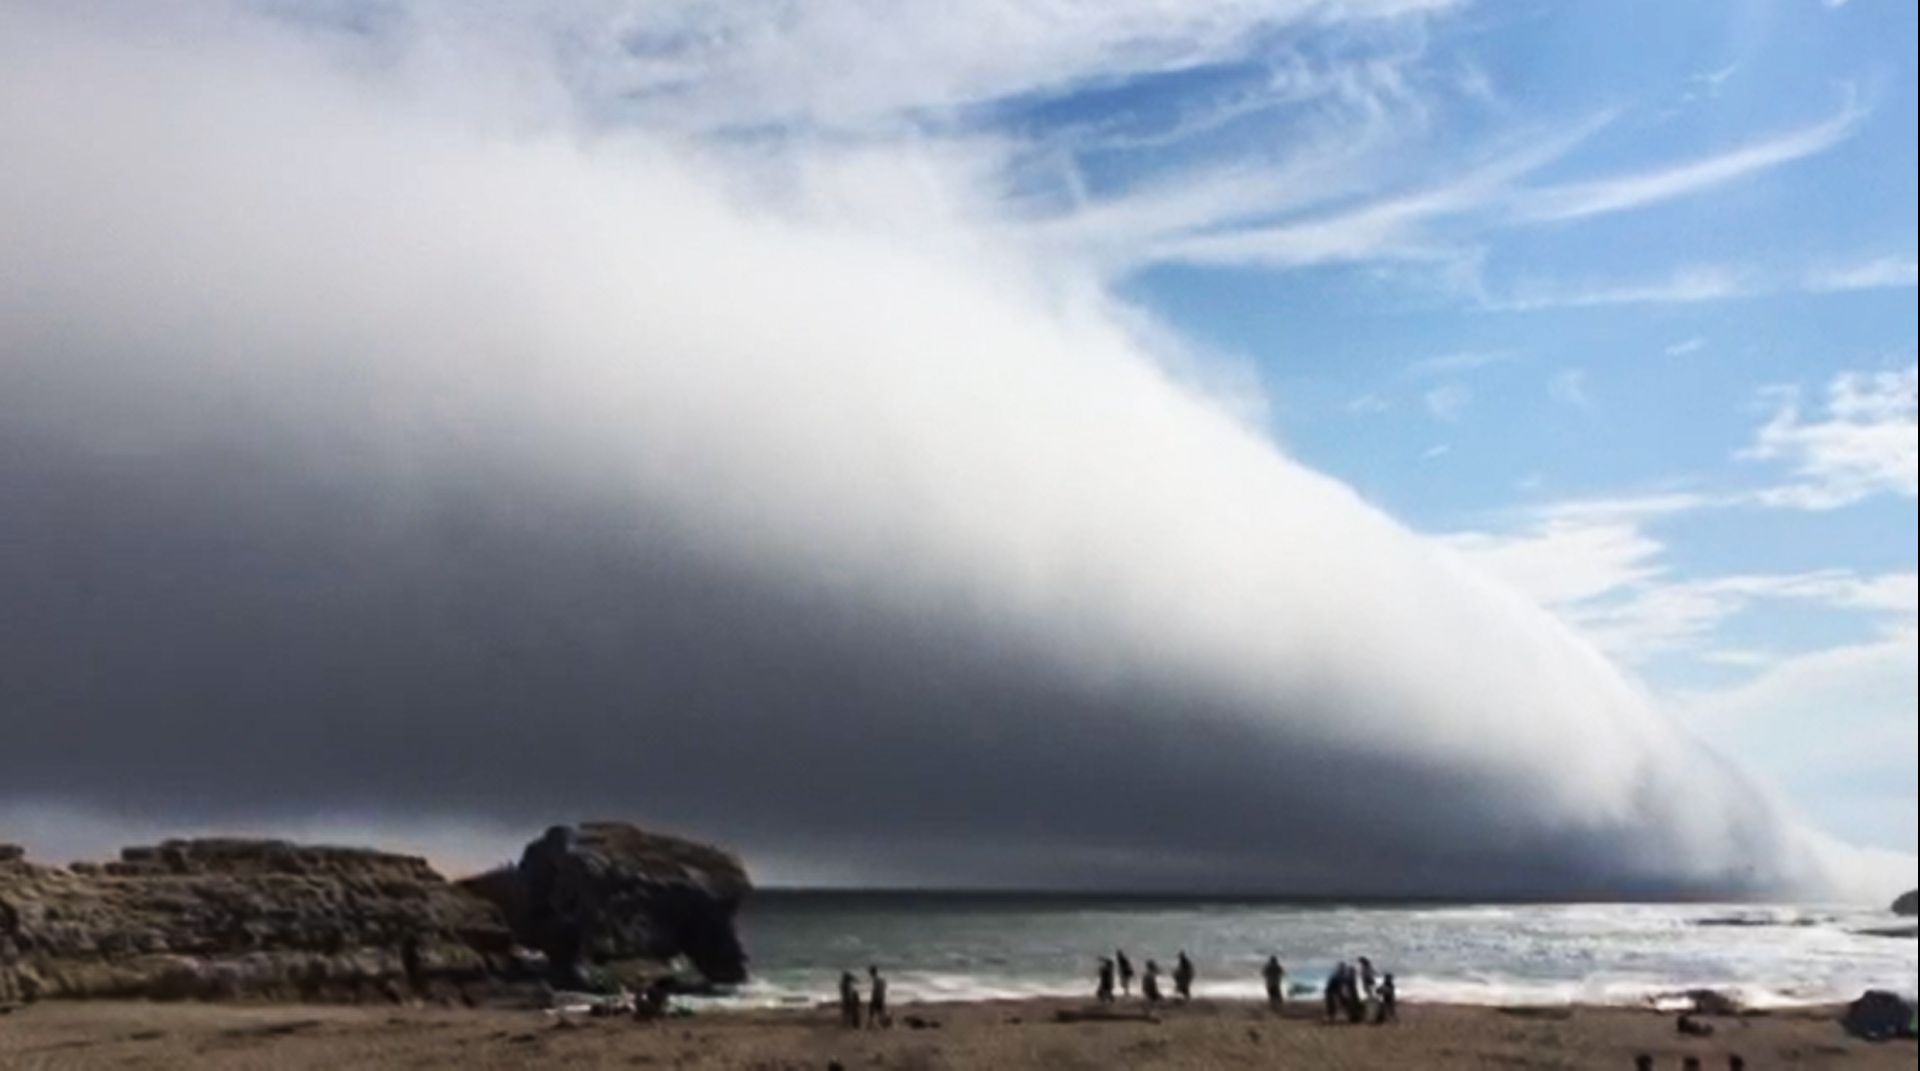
(1622, 192)
(1448, 364)
(1685, 286)
(1701, 283)
(1880, 273)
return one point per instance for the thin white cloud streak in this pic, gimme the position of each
(1620, 193)
(1882, 273)
(234, 251)
(1686, 346)
(1391, 227)
(1698, 284)
(1404, 226)
(1455, 363)
(1685, 287)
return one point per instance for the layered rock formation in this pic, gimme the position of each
(608, 895)
(266, 919)
(231, 918)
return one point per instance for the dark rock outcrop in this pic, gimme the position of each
(272, 920)
(1907, 904)
(1879, 1015)
(242, 918)
(616, 898)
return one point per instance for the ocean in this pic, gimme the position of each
(943, 946)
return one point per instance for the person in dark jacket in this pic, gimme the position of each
(849, 1001)
(877, 1014)
(1276, 977)
(1388, 1009)
(1183, 977)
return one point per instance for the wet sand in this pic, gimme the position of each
(999, 1035)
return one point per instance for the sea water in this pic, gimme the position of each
(972, 947)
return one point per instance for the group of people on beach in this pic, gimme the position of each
(877, 1014)
(1354, 991)
(1118, 965)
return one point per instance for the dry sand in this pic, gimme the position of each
(1003, 1036)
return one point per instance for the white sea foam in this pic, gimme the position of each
(1508, 955)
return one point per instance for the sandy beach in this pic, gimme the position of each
(1001, 1035)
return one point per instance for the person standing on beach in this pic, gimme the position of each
(1150, 983)
(1336, 984)
(1350, 997)
(1126, 971)
(1389, 1008)
(1104, 993)
(849, 1001)
(1368, 982)
(1183, 977)
(877, 1001)
(1275, 977)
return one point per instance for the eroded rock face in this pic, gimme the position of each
(607, 894)
(262, 919)
(273, 920)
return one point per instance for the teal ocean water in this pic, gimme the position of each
(964, 947)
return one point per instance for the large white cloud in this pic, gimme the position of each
(375, 451)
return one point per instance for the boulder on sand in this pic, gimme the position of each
(1879, 1015)
(610, 896)
(1908, 903)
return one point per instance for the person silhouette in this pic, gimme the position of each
(1275, 977)
(877, 1014)
(849, 1000)
(1150, 983)
(1126, 971)
(1104, 992)
(1183, 977)
(1389, 1007)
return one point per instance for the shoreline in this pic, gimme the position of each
(1629, 996)
(1003, 1034)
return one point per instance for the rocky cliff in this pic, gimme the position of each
(268, 919)
(232, 918)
